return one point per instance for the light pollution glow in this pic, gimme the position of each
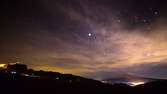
(117, 50)
(136, 83)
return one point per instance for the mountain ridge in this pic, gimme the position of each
(15, 80)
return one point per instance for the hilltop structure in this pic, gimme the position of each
(13, 68)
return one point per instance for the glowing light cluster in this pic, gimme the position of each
(136, 83)
(3, 66)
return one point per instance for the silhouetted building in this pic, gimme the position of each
(13, 68)
(20, 68)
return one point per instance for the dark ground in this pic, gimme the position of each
(55, 83)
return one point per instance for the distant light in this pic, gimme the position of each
(57, 78)
(13, 72)
(70, 81)
(144, 21)
(156, 12)
(12, 63)
(119, 21)
(2, 65)
(104, 81)
(136, 83)
(26, 75)
(89, 34)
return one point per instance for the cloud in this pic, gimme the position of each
(154, 70)
(112, 49)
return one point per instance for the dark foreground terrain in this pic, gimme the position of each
(40, 82)
(69, 84)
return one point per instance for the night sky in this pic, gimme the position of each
(90, 38)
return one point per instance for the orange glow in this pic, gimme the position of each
(3, 66)
(136, 83)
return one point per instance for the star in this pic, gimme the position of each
(156, 12)
(89, 34)
(144, 20)
(119, 20)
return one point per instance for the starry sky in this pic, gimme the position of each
(91, 38)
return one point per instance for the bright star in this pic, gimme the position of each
(89, 34)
